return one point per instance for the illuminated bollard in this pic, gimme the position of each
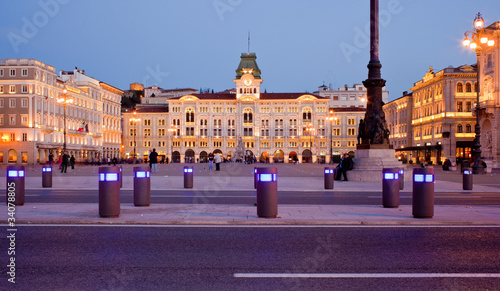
(390, 187)
(15, 184)
(46, 176)
(401, 178)
(467, 179)
(188, 177)
(255, 177)
(267, 192)
(142, 186)
(423, 193)
(329, 173)
(109, 192)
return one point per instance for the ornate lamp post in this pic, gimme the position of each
(64, 100)
(310, 129)
(331, 118)
(171, 130)
(135, 120)
(478, 40)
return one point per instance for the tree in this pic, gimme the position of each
(239, 154)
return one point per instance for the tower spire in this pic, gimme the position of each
(248, 51)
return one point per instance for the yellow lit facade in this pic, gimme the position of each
(437, 121)
(272, 126)
(31, 119)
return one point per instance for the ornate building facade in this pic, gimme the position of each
(489, 76)
(275, 127)
(32, 120)
(442, 121)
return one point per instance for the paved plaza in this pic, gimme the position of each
(238, 177)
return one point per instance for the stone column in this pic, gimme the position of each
(375, 124)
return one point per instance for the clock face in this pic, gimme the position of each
(247, 79)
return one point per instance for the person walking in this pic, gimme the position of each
(344, 166)
(72, 162)
(64, 162)
(217, 160)
(153, 159)
(210, 161)
(51, 159)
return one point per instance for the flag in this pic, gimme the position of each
(82, 127)
(86, 127)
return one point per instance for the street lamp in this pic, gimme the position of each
(331, 118)
(135, 120)
(478, 41)
(64, 100)
(171, 130)
(310, 128)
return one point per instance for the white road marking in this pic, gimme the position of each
(452, 197)
(367, 275)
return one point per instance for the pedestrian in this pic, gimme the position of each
(64, 162)
(153, 159)
(361, 131)
(217, 160)
(344, 166)
(114, 161)
(210, 161)
(72, 162)
(109, 161)
(51, 159)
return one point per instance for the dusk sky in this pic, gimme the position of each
(299, 44)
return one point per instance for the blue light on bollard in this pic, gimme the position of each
(391, 176)
(327, 171)
(188, 170)
(109, 177)
(141, 174)
(188, 177)
(46, 169)
(467, 172)
(266, 177)
(11, 173)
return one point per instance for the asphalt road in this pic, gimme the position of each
(254, 258)
(248, 197)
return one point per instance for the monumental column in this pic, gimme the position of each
(376, 132)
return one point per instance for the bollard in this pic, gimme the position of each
(142, 186)
(267, 192)
(109, 192)
(423, 193)
(401, 178)
(329, 173)
(188, 177)
(46, 176)
(15, 185)
(255, 177)
(467, 179)
(121, 177)
(390, 187)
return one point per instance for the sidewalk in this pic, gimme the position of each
(239, 178)
(210, 214)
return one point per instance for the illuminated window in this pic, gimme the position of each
(460, 87)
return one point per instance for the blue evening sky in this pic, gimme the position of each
(197, 43)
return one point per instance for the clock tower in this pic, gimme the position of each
(248, 78)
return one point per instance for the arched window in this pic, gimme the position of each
(460, 128)
(460, 88)
(247, 115)
(468, 87)
(306, 115)
(189, 115)
(468, 128)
